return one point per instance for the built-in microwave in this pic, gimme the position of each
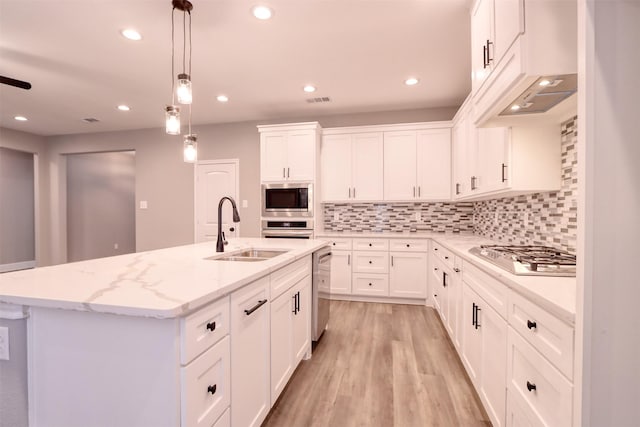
(287, 199)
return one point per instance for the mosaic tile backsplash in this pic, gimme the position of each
(548, 219)
(535, 219)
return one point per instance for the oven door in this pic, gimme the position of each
(287, 234)
(287, 200)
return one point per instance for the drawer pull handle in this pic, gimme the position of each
(530, 386)
(211, 326)
(212, 389)
(531, 325)
(255, 307)
(457, 270)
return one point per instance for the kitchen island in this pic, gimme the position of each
(157, 338)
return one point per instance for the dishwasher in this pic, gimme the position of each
(321, 287)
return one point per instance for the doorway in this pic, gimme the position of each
(214, 180)
(100, 205)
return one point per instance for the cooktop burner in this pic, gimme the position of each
(529, 260)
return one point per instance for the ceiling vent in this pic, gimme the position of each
(90, 120)
(317, 100)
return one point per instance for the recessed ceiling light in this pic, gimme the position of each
(515, 107)
(131, 34)
(222, 98)
(544, 82)
(309, 88)
(411, 81)
(262, 12)
(124, 108)
(20, 118)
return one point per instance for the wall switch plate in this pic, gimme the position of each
(143, 204)
(4, 343)
(336, 217)
(245, 203)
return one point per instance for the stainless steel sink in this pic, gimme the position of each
(249, 255)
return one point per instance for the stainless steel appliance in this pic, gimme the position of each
(320, 287)
(287, 229)
(287, 200)
(528, 260)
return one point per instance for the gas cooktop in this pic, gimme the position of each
(528, 260)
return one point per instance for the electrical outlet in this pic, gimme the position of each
(245, 203)
(4, 343)
(495, 219)
(115, 246)
(525, 217)
(336, 217)
(418, 216)
(144, 204)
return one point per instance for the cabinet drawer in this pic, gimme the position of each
(444, 254)
(286, 277)
(406, 245)
(491, 290)
(370, 284)
(370, 245)
(371, 262)
(224, 420)
(551, 337)
(533, 381)
(339, 244)
(205, 386)
(202, 329)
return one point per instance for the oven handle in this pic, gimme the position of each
(287, 232)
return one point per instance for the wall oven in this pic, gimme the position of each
(288, 229)
(287, 200)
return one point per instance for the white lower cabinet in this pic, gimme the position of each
(408, 275)
(302, 320)
(370, 284)
(484, 346)
(250, 353)
(224, 420)
(341, 272)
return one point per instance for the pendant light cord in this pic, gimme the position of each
(190, 45)
(173, 49)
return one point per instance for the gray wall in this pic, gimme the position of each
(13, 377)
(100, 205)
(17, 207)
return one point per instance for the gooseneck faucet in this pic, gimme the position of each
(236, 218)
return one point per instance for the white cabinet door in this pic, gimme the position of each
(282, 364)
(335, 166)
(455, 304)
(471, 336)
(434, 164)
(301, 156)
(460, 184)
(493, 390)
(302, 320)
(400, 165)
(250, 354)
(508, 24)
(493, 163)
(481, 27)
(341, 272)
(367, 162)
(273, 156)
(408, 275)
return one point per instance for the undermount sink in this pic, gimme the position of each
(249, 255)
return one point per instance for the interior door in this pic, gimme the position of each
(214, 180)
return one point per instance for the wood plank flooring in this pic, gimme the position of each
(380, 365)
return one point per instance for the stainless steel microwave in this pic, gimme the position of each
(287, 200)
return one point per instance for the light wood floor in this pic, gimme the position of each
(380, 365)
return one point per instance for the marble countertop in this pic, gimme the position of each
(555, 294)
(163, 283)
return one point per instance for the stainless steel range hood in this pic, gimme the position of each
(545, 93)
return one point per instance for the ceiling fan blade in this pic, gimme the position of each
(13, 82)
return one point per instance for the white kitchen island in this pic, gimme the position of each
(165, 337)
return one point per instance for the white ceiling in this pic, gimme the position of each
(357, 52)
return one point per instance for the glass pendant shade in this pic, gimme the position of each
(172, 120)
(191, 148)
(184, 89)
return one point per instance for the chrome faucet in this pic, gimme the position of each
(236, 218)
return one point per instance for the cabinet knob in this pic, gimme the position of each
(435, 249)
(232, 229)
(457, 270)
(370, 244)
(435, 268)
(212, 389)
(369, 284)
(446, 257)
(531, 325)
(370, 262)
(211, 326)
(334, 243)
(408, 245)
(531, 386)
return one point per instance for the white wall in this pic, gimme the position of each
(607, 338)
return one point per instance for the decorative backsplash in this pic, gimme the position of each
(537, 219)
(399, 217)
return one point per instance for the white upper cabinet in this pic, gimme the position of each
(481, 42)
(351, 166)
(288, 152)
(417, 165)
(493, 159)
(508, 24)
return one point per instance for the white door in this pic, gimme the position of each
(301, 159)
(400, 165)
(273, 156)
(471, 336)
(214, 180)
(434, 164)
(302, 320)
(509, 24)
(494, 359)
(408, 275)
(493, 144)
(341, 272)
(282, 350)
(367, 161)
(335, 167)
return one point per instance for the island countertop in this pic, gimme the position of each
(163, 283)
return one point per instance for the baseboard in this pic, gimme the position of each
(384, 300)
